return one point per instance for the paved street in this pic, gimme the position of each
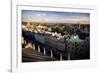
(31, 55)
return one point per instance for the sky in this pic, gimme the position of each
(55, 17)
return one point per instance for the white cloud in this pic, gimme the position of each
(44, 18)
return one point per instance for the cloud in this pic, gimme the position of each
(82, 20)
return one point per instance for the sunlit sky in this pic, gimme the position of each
(55, 17)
